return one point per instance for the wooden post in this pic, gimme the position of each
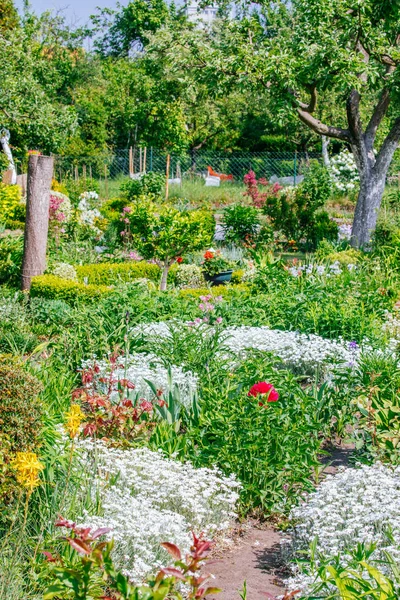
(167, 183)
(40, 171)
(178, 171)
(90, 172)
(144, 159)
(76, 173)
(105, 181)
(131, 162)
(140, 160)
(84, 172)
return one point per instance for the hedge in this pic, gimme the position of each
(114, 273)
(52, 287)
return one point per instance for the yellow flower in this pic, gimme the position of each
(28, 468)
(74, 419)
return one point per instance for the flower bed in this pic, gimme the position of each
(147, 499)
(358, 505)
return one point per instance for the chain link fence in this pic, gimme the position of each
(118, 164)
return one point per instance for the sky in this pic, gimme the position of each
(77, 12)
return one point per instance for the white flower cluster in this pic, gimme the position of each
(344, 231)
(140, 367)
(147, 499)
(320, 270)
(356, 505)
(87, 214)
(65, 271)
(295, 350)
(344, 172)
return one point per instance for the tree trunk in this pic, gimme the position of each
(372, 186)
(164, 277)
(40, 172)
(325, 154)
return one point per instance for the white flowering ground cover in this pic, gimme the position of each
(355, 505)
(296, 350)
(140, 367)
(147, 499)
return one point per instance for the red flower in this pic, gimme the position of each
(263, 388)
(179, 259)
(208, 255)
(146, 406)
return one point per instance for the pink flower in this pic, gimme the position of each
(127, 209)
(122, 233)
(263, 388)
(218, 320)
(146, 406)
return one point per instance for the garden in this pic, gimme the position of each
(185, 368)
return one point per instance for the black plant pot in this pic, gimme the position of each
(219, 278)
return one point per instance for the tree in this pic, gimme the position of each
(8, 16)
(343, 52)
(128, 27)
(166, 234)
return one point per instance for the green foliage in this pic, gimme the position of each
(114, 273)
(11, 252)
(10, 199)
(52, 287)
(240, 224)
(74, 188)
(8, 16)
(297, 213)
(21, 413)
(271, 448)
(166, 233)
(149, 184)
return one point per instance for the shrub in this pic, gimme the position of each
(20, 420)
(52, 287)
(10, 199)
(189, 276)
(149, 183)
(113, 273)
(65, 271)
(297, 212)
(11, 252)
(241, 224)
(74, 189)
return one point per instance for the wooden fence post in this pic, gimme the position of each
(144, 159)
(105, 181)
(167, 177)
(40, 171)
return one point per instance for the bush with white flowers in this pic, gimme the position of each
(316, 270)
(140, 367)
(298, 351)
(87, 214)
(147, 499)
(357, 505)
(344, 172)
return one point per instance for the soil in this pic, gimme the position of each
(254, 558)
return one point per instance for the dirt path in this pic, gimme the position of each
(254, 556)
(254, 559)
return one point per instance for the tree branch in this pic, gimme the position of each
(376, 119)
(319, 127)
(353, 115)
(388, 148)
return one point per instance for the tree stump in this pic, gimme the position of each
(40, 173)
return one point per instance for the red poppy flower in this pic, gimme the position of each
(263, 388)
(179, 259)
(208, 255)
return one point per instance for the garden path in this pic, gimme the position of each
(255, 558)
(255, 554)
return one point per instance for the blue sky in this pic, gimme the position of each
(76, 11)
